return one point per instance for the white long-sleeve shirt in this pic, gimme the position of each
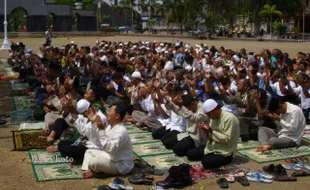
(89, 130)
(116, 142)
(292, 123)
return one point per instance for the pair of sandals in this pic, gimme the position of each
(238, 176)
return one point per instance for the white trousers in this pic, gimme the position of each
(99, 161)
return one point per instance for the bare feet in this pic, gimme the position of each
(89, 174)
(45, 132)
(263, 148)
(46, 139)
(52, 149)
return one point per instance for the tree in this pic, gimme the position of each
(268, 12)
(17, 19)
(125, 7)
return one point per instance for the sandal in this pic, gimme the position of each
(243, 181)
(284, 178)
(223, 183)
(140, 164)
(301, 173)
(119, 184)
(151, 170)
(140, 179)
(230, 178)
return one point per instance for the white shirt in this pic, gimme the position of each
(292, 123)
(169, 65)
(276, 87)
(116, 142)
(91, 131)
(176, 122)
(305, 102)
(104, 58)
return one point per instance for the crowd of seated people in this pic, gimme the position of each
(198, 100)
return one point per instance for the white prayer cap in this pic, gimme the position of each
(72, 42)
(161, 44)
(27, 54)
(187, 46)
(101, 50)
(207, 51)
(166, 51)
(236, 58)
(132, 58)
(136, 74)
(205, 45)
(125, 43)
(82, 106)
(209, 105)
(121, 44)
(106, 45)
(147, 42)
(188, 68)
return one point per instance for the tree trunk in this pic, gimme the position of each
(257, 19)
(126, 23)
(270, 24)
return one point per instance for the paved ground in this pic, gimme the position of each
(16, 171)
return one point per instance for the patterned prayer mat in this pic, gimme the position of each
(142, 138)
(19, 88)
(246, 145)
(166, 161)
(30, 126)
(23, 102)
(40, 156)
(148, 149)
(275, 155)
(307, 137)
(23, 116)
(60, 171)
(25, 140)
(134, 129)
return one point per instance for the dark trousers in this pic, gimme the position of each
(212, 160)
(59, 126)
(159, 133)
(306, 114)
(195, 154)
(75, 152)
(181, 147)
(170, 139)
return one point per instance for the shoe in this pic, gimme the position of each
(151, 170)
(174, 179)
(2, 122)
(186, 177)
(119, 184)
(140, 178)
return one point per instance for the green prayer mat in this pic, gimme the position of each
(19, 88)
(40, 156)
(133, 129)
(148, 149)
(307, 137)
(246, 145)
(275, 155)
(142, 138)
(29, 139)
(60, 171)
(23, 116)
(51, 166)
(23, 102)
(166, 161)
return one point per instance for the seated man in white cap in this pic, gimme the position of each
(133, 87)
(222, 136)
(89, 128)
(116, 154)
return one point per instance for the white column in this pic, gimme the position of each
(6, 44)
